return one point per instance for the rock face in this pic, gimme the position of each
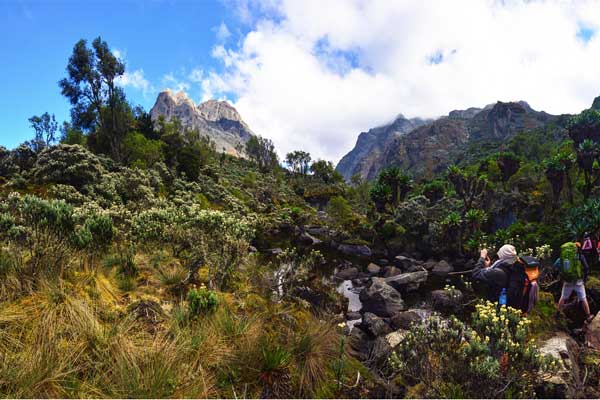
(364, 159)
(216, 119)
(425, 148)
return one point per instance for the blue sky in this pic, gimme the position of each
(158, 37)
(309, 74)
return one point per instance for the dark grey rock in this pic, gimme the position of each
(359, 343)
(353, 315)
(374, 325)
(429, 265)
(308, 239)
(381, 299)
(403, 320)
(403, 262)
(318, 230)
(252, 249)
(414, 268)
(380, 351)
(446, 299)
(276, 251)
(408, 278)
(347, 273)
(357, 250)
(360, 281)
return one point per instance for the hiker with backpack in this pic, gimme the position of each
(511, 280)
(504, 278)
(573, 267)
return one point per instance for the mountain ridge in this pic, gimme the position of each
(431, 146)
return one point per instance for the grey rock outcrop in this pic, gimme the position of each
(217, 120)
(364, 159)
(562, 383)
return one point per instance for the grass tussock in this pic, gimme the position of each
(85, 335)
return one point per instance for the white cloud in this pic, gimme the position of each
(169, 80)
(120, 54)
(135, 80)
(312, 74)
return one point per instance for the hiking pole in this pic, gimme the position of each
(461, 272)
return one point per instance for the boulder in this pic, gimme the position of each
(391, 271)
(356, 250)
(563, 383)
(275, 251)
(374, 325)
(403, 320)
(373, 269)
(592, 334)
(252, 249)
(396, 337)
(308, 239)
(446, 299)
(359, 343)
(381, 299)
(380, 351)
(408, 278)
(383, 261)
(442, 268)
(347, 273)
(318, 230)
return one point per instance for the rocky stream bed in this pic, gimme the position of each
(378, 296)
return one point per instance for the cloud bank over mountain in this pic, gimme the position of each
(311, 74)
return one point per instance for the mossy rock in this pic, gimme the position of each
(544, 317)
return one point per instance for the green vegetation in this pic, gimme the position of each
(137, 261)
(450, 359)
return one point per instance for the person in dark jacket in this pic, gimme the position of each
(504, 273)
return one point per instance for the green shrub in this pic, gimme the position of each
(201, 301)
(68, 164)
(493, 358)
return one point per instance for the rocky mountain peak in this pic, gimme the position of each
(426, 147)
(215, 110)
(216, 119)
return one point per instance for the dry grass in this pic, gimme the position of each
(73, 337)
